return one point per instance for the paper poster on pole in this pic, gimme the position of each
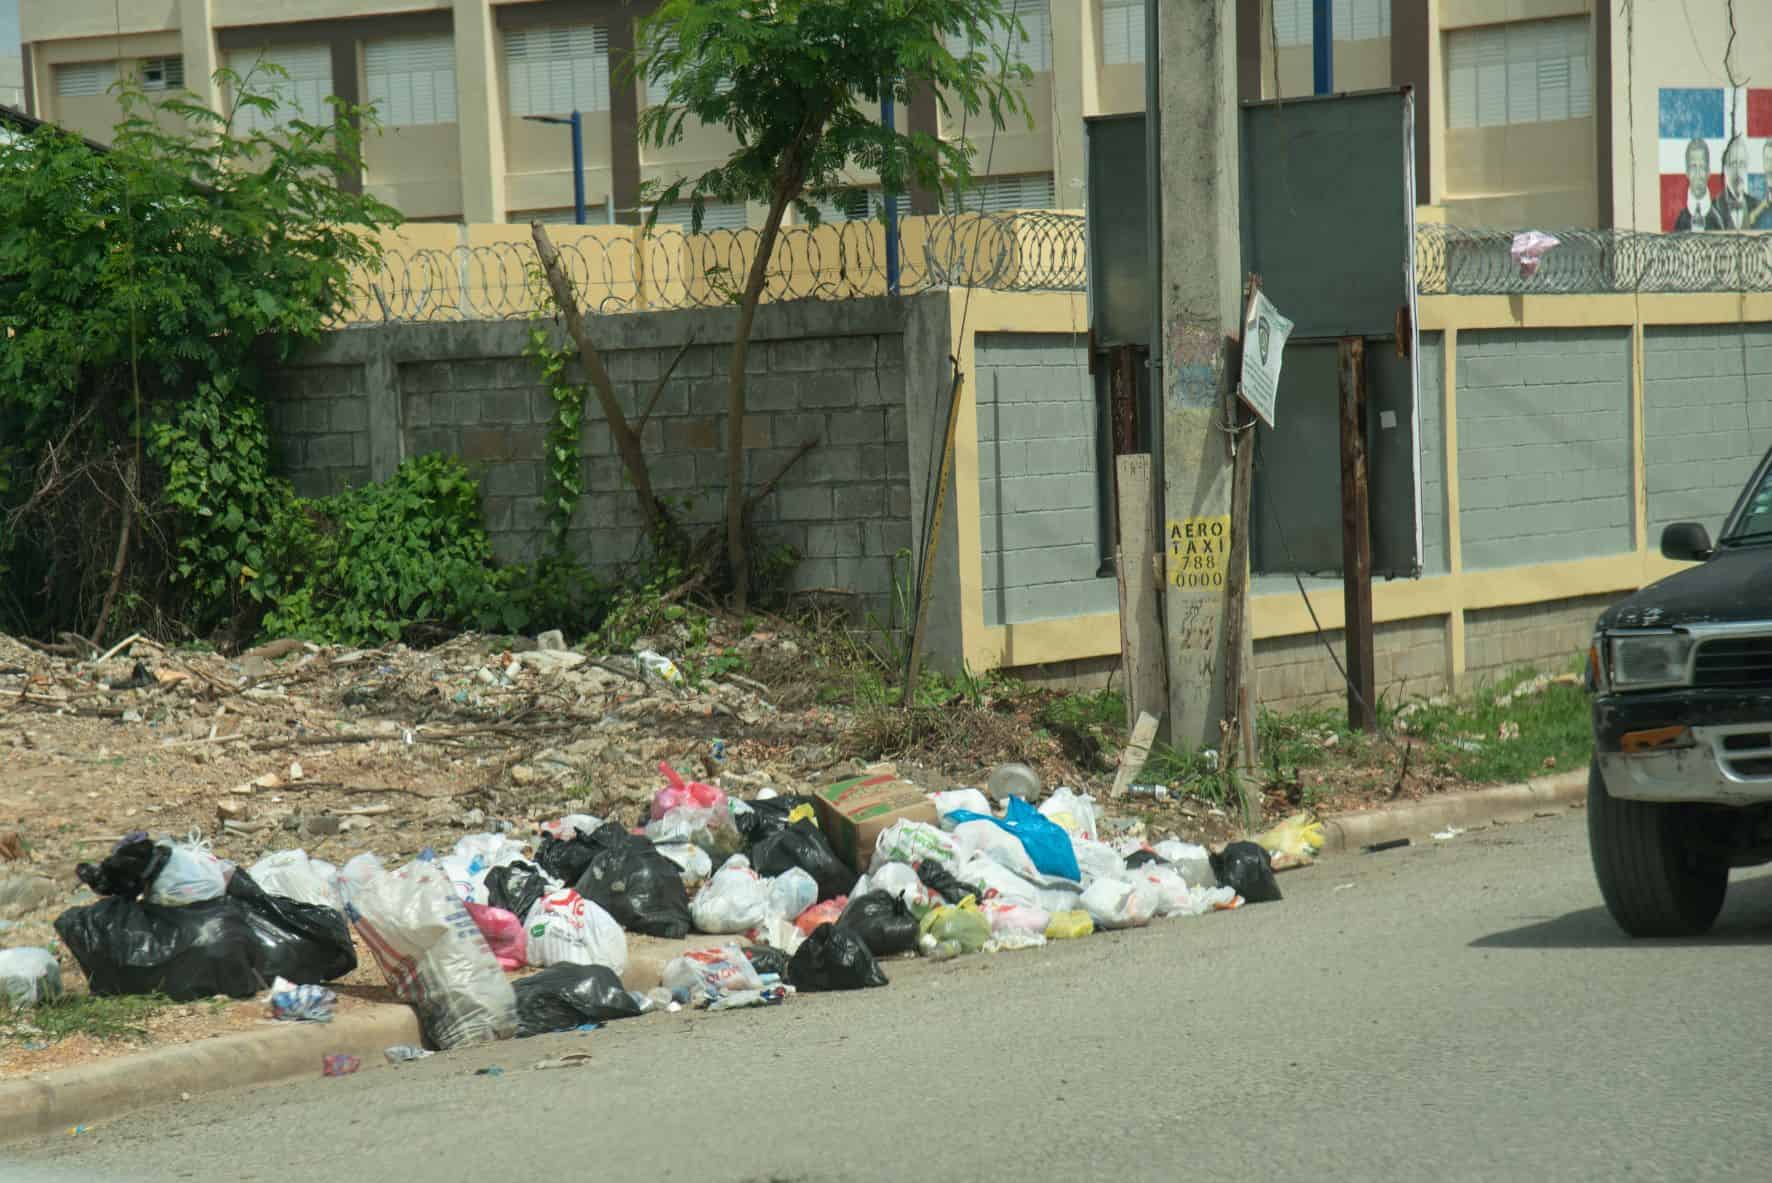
(1264, 339)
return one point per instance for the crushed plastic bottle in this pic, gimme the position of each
(402, 1053)
(1154, 792)
(1013, 780)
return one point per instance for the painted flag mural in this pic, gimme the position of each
(1716, 153)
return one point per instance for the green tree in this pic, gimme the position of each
(140, 289)
(794, 81)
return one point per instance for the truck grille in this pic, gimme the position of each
(1734, 663)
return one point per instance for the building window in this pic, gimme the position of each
(411, 80)
(1122, 32)
(658, 91)
(1001, 194)
(302, 95)
(166, 73)
(1527, 72)
(85, 79)
(1034, 50)
(855, 205)
(558, 69)
(716, 215)
(595, 215)
(1354, 20)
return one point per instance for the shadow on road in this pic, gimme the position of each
(1746, 920)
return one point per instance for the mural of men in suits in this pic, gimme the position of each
(1700, 212)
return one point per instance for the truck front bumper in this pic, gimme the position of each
(1723, 764)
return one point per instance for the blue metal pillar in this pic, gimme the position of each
(1322, 47)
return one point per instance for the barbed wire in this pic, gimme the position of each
(1028, 251)
(1454, 261)
(668, 269)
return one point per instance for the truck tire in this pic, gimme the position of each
(1653, 882)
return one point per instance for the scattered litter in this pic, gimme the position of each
(339, 1065)
(1447, 834)
(1341, 887)
(1509, 730)
(567, 997)
(1136, 752)
(402, 1053)
(492, 1070)
(313, 1004)
(574, 1060)
(29, 976)
(1392, 844)
(1299, 836)
(1245, 868)
(769, 996)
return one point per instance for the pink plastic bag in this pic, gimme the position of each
(684, 794)
(504, 932)
(828, 912)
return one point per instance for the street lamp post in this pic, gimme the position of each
(578, 158)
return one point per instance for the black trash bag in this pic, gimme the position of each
(883, 921)
(833, 958)
(566, 996)
(190, 952)
(941, 881)
(803, 845)
(306, 943)
(1245, 868)
(640, 887)
(516, 887)
(129, 869)
(765, 960)
(565, 859)
(1143, 858)
(768, 816)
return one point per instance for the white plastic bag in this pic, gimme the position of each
(1194, 862)
(1172, 889)
(1097, 860)
(492, 850)
(709, 973)
(1117, 903)
(955, 799)
(1008, 916)
(907, 841)
(989, 840)
(434, 955)
(734, 900)
(360, 870)
(564, 928)
(780, 932)
(791, 893)
(29, 976)
(1072, 810)
(900, 879)
(293, 875)
(572, 823)
(692, 859)
(996, 880)
(467, 875)
(192, 875)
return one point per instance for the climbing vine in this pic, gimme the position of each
(564, 481)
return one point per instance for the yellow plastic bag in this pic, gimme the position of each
(963, 924)
(1065, 925)
(1300, 836)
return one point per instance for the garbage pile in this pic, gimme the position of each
(798, 893)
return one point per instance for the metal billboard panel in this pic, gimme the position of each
(1328, 222)
(1122, 261)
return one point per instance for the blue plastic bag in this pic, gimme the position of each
(1046, 842)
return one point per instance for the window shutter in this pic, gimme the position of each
(1122, 32)
(84, 79)
(302, 95)
(165, 73)
(411, 80)
(1525, 72)
(558, 69)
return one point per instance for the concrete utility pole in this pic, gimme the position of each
(1200, 303)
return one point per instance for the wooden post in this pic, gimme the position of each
(913, 666)
(1141, 631)
(1356, 540)
(1236, 576)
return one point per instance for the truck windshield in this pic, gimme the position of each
(1756, 520)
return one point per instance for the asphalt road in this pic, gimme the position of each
(1461, 1010)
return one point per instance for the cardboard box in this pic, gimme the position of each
(853, 812)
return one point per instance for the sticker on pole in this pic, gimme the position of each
(1264, 339)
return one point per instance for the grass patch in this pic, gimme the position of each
(104, 1018)
(1546, 730)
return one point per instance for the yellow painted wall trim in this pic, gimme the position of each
(1586, 311)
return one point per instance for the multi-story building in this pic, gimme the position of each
(12, 62)
(1529, 112)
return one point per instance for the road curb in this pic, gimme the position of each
(1477, 807)
(52, 1101)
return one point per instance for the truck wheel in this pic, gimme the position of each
(1653, 882)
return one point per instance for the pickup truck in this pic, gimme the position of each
(1680, 789)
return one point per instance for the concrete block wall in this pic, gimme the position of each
(1431, 400)
(1545, 636)
(829, 373)
(1544, 445)
(318, 416)
(1707, 418)
(1294, 673)
(1039, 493)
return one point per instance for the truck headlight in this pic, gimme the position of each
(1643, 660)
